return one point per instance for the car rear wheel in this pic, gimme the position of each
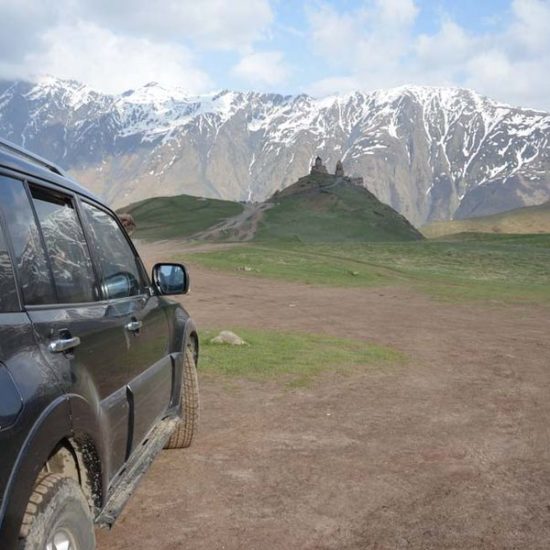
(188, 425)
(57, 517)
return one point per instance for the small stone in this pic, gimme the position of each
(228, 337)
(354, 273)
(247, 268)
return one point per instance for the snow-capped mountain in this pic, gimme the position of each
(431, 153)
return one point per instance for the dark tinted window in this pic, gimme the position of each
(30, 259)
(8, 293)
(66, 247)
(120, 273)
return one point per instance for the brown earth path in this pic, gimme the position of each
(449, 450)
(241, 227)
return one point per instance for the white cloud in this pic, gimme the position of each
(114, 45)
(113, 62)
(396, 12)
(529, 27)
(449, 45)
(333, 86)
(262, 68)
(375, 46)
(209, 23)
(369, 42)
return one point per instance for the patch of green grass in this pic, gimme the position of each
(294, 263)
(178, 217)
(293, 357)
(497, 268)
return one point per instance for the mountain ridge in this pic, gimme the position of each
(432, 153)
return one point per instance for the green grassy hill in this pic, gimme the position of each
(177, 217)
(325, 208)
(529, 219)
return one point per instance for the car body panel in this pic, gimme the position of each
(96, 369)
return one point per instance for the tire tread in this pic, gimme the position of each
(188, 425)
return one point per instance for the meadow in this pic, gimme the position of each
(478, 267)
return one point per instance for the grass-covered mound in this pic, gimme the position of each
(178, 217)
(325, 208)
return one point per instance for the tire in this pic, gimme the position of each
(57, 513)
(187, 427)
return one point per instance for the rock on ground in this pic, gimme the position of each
(228, 337)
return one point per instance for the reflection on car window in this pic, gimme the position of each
(120, 274)
(8, 293)
(66, 247)
(30, 259)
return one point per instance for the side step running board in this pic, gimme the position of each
(135, 468)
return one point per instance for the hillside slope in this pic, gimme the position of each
(526, 220)
(327, 208)
(178, 217)
(430, 153)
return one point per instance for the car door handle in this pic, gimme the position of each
(64, 344)
(134, 326)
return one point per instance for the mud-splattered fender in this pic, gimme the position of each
(183, 331)
(88, 436)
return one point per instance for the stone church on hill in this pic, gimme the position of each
(319, 168)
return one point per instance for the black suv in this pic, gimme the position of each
(97, 368)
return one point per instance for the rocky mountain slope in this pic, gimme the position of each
(431, 153)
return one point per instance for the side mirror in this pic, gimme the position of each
(171, 279)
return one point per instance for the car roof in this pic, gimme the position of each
(18, 159)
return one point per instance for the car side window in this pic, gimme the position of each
(8, 292)
(29, 256)
(66, 247)
(121, 276)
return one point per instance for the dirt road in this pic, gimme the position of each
(449, 450)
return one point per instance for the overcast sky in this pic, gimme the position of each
(500, 48)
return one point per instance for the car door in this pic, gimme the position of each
(149, 364)
(61, 296)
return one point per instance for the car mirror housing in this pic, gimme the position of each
(171, 278)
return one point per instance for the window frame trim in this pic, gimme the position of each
(23, 179)
(42, 240)
(11, 254)
(72, 197)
